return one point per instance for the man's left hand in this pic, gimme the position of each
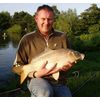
(67, 67)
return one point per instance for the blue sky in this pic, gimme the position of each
(31, 7)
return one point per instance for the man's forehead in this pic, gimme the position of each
(45, 12)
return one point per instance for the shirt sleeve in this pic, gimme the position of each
(66, 41)
(21, 55)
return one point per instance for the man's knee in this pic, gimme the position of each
(40, 87)
(41, 92)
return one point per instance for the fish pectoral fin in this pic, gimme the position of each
(23, 77)
(55, 75)
(17, 70)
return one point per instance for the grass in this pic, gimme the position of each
(84, 85)
(86, 68)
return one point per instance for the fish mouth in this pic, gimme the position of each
(82, 56)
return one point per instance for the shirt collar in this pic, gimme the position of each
(52, 32)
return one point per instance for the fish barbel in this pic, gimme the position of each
(59, 57)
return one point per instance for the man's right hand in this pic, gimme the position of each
(44, 71)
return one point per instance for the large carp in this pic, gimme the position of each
(59, 57)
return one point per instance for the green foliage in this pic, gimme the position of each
(86, 42)
(77, 43)
(5, 21)
(15, 33)
(94, 28)
(90, 41)
(87, 19)
(62, 23)
(85, 85)
(66, 21)
(15, 29)
(25, 20)
(56, 11)
(86, 68)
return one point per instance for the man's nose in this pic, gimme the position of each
(46, 21)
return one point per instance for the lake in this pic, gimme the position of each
(8, 47)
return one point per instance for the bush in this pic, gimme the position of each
(94, 28)
(15, 33)
(87, 42)
(15, 29)
(77, 43)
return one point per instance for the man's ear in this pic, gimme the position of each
(35, 18)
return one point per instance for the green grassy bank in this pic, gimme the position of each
(86, 84)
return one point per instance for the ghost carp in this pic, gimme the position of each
(59, 57)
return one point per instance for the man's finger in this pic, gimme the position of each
(43, 66)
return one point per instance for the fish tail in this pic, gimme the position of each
(23, 77)
(56, 75)
(17, 70)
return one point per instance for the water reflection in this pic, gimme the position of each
(4, 36)
(8, 45)
(6, 60)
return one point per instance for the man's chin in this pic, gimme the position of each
(46, 31)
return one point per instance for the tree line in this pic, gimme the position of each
(83, 30)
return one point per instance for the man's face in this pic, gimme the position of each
(44, 20)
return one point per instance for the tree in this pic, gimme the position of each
(66, 21)
(56, 11)
(62, 23)
(14, 33)
(25, 20)
(94, 14)
(72, 20)
(14, 29)
(94, 28)
(5, 21)
(88, 18)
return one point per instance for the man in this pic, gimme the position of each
(41, 83)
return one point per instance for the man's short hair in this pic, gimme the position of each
(45, 7)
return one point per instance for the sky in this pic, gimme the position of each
(31, 7)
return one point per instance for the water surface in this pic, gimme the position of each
(8, 47)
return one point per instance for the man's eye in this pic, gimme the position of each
(43, 18)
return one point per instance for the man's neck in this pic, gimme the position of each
(46, 34)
